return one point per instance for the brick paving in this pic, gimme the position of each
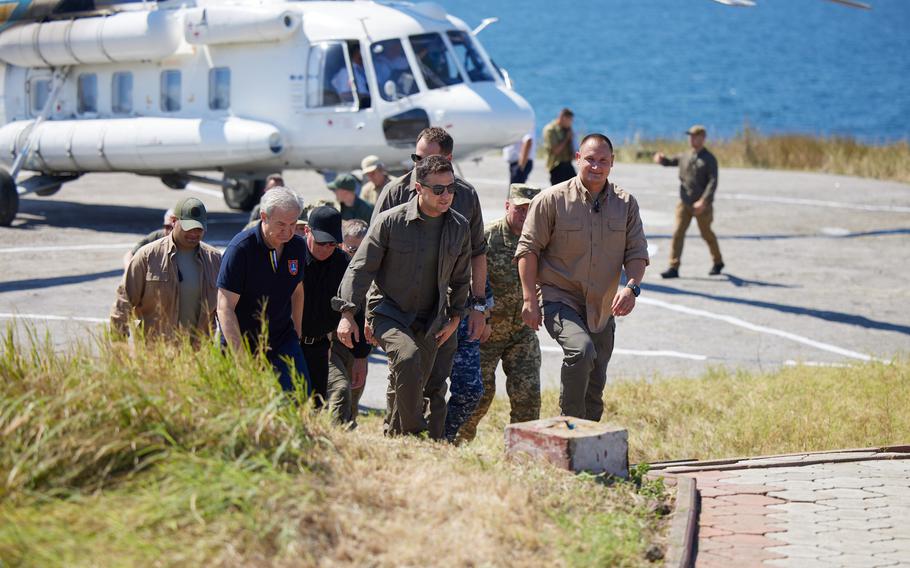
(832, 514)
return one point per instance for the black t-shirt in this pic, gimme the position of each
(249, 268)
(322, 280)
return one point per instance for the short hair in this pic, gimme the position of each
(280, 198)
(566, 111)
(440, 136)
(433, 165)
(279, 181)
(354, 228)
(169, 215)
(599, 137)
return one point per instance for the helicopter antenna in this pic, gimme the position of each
(483, 25)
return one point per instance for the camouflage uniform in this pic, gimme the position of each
(512, 342)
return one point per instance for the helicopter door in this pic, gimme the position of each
(336, 78)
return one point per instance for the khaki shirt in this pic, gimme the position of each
(581, 253)
(150, 289)
(387, 260)
(503, 274)
(370, 193)
(553, 135)
(697, 175)
(465, 201)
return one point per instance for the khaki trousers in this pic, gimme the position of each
(411, 355)
(585, 359)
(684, 214)
(340, 395)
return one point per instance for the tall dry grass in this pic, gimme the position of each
(750, 149)
(175, 455)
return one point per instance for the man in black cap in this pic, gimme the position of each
(325, 265)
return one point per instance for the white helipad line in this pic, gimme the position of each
(639, 352)
(789, 201)
(51, 317)
(204, 190)
(754, 327)
(792, 363)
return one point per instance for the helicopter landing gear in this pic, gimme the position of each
(9, 199)
(243, 193)
(175, 181)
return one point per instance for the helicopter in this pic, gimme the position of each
(243, 89)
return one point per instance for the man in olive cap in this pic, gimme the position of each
(506, 337)
(376, 178)
(351, 206)
(698, 183)
(170, 284)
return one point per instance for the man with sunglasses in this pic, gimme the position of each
(416, 263)
(436, 141)
(578, 237)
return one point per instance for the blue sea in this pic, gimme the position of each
(651, 68)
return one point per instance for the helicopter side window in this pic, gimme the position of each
(391, 64)
(87, 93)
(330, 79)
(170, 90)
(435, 61)
(219, 88)
(122, 92)
(40, 91)
(470, 58)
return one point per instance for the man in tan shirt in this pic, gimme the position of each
(170, 283)
(578, 237)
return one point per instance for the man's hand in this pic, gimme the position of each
(658, 157)
(530, 314)
(476, 321)
(487, 332)
(368, 334)
(623, 302)
(347, 330)
(446, 332)
(699, 207)
(359, 373)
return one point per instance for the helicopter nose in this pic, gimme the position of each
(482, 115)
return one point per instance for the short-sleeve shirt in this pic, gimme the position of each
(580, 250)
(248, 269)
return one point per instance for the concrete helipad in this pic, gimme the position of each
(817, 266)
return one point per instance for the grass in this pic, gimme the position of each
(729, 414)
(749, 149)
(180, 456)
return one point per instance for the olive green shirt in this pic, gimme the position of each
(697, 175)
(189, 279)
(553, 135)
(360, 210)
(427, 262)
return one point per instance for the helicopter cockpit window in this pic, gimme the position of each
(40, 91)
(334, 73)
(391, 64)
(170, 90)
(435, 60)
(122, 92)
(219, 88)
(87, 93)
(471, 59)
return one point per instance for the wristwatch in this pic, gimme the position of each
(635, 289)
(479, 304)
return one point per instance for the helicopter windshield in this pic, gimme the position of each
(471, 60)
(391, 64)
(436, 62)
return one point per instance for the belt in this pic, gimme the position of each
(306, 340)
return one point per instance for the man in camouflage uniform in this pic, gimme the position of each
(511, 340)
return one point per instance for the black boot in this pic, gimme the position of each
(715, 270)
(670, 273)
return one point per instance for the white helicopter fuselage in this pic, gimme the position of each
(247, 88)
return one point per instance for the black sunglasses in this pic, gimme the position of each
(439, 189)
(416, 158)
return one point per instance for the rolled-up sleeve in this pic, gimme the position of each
(363, 268)
(636, 243)
(538, 227)
(129, 294)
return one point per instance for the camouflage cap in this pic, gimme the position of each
(344, 181)
(697, 129)
(191, 213)
(522, 194)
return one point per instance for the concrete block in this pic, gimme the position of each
(572, 443)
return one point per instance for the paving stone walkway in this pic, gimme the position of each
(803, 511)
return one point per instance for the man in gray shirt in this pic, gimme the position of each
(417, 257)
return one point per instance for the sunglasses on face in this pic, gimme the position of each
(416, 158)
(349, 249)
(439, 189)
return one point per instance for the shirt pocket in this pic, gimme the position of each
(568, 231)
(616, 224)
(401, 244)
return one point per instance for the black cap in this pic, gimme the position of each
(325, 224)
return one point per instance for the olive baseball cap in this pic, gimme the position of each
(370, 164)
(325, 224)
(521, 194)
(344, 181)
(696, 129)
(191, 213)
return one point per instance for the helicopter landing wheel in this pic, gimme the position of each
(9, 199)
